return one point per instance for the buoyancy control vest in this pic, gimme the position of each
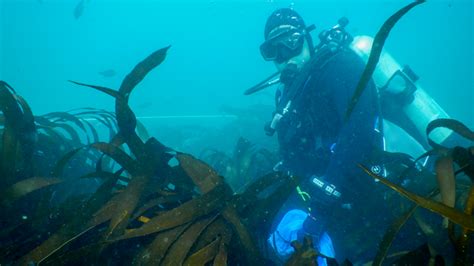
(406, 109)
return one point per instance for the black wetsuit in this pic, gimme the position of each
(316, 141)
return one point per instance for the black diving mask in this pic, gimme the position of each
(283, 46)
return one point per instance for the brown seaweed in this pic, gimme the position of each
(245, 163)
(176, 224)
(118, 155)
(45, 123)
(452, 124)
(204, 255)
(24, 187)
(217, 228)
(126, 119)
(121, 207)
(201, 206)
(221, 257)
(141, 70)
(446, 180)
(18, 133)
(202, 175)
(157, 250)
(105, 90)
(375, 52)
(462, 243)
(304, 254)
(72, 230)
(452, 214)
(393, 230)
(180, 248)
(27, 137)
(155, 202)
(253, 257)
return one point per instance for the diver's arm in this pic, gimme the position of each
(356, 136)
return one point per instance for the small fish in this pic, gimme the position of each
(79, 9)
(108, 73)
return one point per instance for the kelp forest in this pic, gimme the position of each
(91, 187)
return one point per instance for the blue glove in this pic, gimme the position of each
(294, 225)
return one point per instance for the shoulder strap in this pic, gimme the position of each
(295, 91)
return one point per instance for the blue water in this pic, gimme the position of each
(214, 57)
(214, 54)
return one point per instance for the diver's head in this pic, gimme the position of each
(287, 39)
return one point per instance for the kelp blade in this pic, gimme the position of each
(375, 52)
(452, 214)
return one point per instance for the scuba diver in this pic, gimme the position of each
(336, 202)
(315, 142)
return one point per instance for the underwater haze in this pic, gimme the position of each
(199, 169)
(214, 53)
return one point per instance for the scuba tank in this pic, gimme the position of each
(399, 83)
(396, 85)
